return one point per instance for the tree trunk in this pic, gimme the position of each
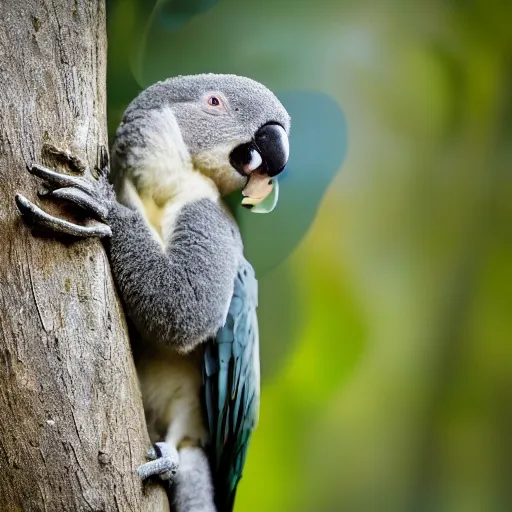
(72, 429)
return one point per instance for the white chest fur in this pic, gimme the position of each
(171, 387)
(160, 179)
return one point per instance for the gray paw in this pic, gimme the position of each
(94, 198)
(164, 463)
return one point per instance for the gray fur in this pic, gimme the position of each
(193, 491)
(249, 105)
(180, 297)
(164, 463)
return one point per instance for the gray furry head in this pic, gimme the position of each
(246, 106)
(215, 114)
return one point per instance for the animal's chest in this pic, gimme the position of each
(154, 212)
(170, 383)
(162, 206)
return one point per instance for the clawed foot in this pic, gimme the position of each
(93, 198)
(164, 463)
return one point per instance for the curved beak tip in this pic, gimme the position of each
(261, 160)
(260, 198)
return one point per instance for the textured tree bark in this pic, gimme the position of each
(72, 427)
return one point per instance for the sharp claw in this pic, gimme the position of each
(39, 217)
(60, 180)
(82, 199)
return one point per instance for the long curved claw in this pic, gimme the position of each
(60, 180)
(165, 464)
(83, 199)
(38, 217)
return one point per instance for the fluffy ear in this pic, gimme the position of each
(193, 489)
(151, 141)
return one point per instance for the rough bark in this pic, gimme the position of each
(72, 429)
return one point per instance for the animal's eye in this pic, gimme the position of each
(213, 101)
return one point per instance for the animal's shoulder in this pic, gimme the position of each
(206, 221)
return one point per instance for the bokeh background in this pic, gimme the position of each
(386, 271)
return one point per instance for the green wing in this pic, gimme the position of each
(232, 387)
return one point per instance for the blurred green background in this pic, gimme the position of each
(386, 287)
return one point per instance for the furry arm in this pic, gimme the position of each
(178, 296)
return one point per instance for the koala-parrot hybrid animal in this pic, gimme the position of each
(177, 259)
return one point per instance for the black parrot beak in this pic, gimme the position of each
(261, 159)
(272, 144)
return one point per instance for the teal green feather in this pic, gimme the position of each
(231, 388)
